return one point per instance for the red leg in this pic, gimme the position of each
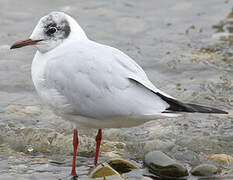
(75, 145)
(98, 140)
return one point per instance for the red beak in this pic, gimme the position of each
(25, 42)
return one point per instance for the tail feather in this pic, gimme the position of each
(177, 106)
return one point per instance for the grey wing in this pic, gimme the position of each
(98, 84)
(101, 81)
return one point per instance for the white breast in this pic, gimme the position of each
(48, 94)
(37, 71)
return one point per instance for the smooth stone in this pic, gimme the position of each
(189, 157)
(164, 146)
(162, 165)
(204, 170)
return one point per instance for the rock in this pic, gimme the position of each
(162, 165)
(187, 156)
(164, 146)
(204, 170)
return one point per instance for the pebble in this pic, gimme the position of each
(204, 170)
(162, 165)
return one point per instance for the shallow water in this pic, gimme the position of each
(176, 44)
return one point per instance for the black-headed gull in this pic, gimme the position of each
(94, 85)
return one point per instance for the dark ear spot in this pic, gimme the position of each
(56, 27)
(66, 28)
(59, 31)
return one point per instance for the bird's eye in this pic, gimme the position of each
(51, 30)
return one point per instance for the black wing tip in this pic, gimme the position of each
(216, 111)
(177, 106)
(223, 112)
(213, 111)
(204, 109)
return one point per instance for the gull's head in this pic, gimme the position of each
(52, 30)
